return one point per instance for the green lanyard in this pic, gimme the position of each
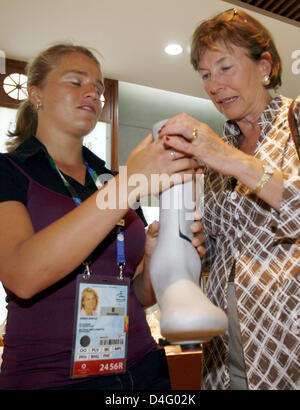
(78, 201)
(69, 187)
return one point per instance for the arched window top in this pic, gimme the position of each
(15, 86)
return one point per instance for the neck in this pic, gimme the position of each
(65, 150)
(249, 125)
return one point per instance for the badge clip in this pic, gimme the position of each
(87, 272)
(121, 267)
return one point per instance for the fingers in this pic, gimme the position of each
(183, 125)
(153, 228)
(201, 250)
(196, 226)
(181, 147)
(198, 240)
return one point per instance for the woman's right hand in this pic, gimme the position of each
(149, 160)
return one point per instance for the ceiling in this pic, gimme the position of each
(286, 8)
(131, 36)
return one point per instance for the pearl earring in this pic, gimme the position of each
(38, 105)
(266, 79)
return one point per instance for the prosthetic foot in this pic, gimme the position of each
(187, 316)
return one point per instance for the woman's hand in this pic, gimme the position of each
(200, 141)
(206, 145)
(198, 240)
(151, 239)
(151, 158)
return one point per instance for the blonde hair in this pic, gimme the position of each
(37, 72)
(84, 294)
(236, 27)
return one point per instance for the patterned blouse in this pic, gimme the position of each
(262, 245)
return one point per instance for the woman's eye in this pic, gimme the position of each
(205, 76)
(75, 82)
(226, 68)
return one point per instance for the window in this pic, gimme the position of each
(15, 86)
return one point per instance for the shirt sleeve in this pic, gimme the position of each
(13, 184)
(289, 218)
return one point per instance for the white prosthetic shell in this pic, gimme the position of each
(187, 316)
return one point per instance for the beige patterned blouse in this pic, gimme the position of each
(265, 246)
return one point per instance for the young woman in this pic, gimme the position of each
(53, 219)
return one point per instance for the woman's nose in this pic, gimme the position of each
(215, 85)
(92, 91)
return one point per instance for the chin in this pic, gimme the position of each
(84, 130)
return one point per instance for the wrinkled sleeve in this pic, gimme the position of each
(288, 225)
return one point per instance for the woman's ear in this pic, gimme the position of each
(35, 96)
(266, 64)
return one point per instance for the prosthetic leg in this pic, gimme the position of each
(187, 317)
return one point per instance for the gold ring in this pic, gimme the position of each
(194, 134)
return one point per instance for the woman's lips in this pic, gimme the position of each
(87, 107)
(228, 100)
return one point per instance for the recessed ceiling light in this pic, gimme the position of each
(173, 49)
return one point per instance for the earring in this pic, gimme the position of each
(266, 79)
(38, 105)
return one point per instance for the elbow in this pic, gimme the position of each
(25, 294)
(20, 286)
(21, 292)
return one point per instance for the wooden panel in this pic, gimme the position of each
(285, 8)
(110, 115)
(185, 370)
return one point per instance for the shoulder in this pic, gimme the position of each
(13, 183)
(6, 164)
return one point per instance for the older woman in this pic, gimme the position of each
(251, 217)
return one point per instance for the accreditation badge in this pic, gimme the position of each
(100, 326)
